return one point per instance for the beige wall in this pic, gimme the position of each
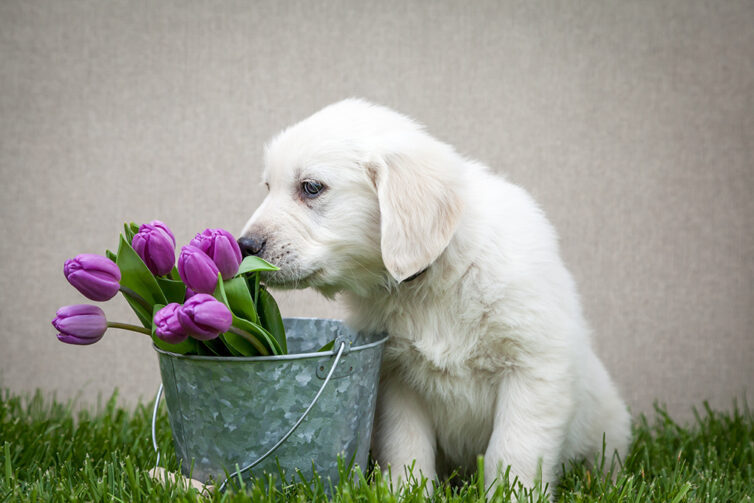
(631, 122)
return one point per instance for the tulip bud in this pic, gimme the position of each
(222, 248)
(155, 244)
(80, 324)
(164, 228)
(167, 326)
(95, 276)
(197, 270)
(203, 317)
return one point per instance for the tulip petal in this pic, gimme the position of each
(80, 324)
(172, 338)
(222, 248)
(167, 326)
(85, 325)
(204, 317)
(161, 255)
(155, 244)
(193, 329)
(197, 270)
(225, 257)
(77, 309)
(94, 286)
(163, 228)
(92, 262)
(95, 276)
(215, 315)
(72, 339)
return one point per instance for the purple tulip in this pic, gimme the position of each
(80, 324)
(203, 317)
(164, 228)
(222, 248)
(197, 270)
(167, 326)
(95, 276)
(155, 244)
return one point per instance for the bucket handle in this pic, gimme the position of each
(238, 473)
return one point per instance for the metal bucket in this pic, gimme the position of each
(295, 412)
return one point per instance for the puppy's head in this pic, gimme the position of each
(357, 194)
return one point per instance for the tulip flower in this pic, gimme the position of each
(164, 228)
(203, 317)
(197, 270)
(84, 324)
(155, 244)
(80, 324)
(167, 326)
(95, 276)
(222, 248)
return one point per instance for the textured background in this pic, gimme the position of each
(631, 122)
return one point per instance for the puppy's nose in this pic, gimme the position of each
(251, 245)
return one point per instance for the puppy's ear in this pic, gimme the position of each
(418, 191)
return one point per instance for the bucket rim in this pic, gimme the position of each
(292, 356)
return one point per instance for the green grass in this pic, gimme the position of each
(50, 453)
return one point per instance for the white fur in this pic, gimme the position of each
(489, 353)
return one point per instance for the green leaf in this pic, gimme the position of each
(230, 349)
(239, 299)
(260, 333)
(128, 232)
(217, 347)
(203, 350)
(189, 346)
(254, 264)
(136, 276)
(142, 313)
(174, 291)
(111, 255)
(235, 341)
(269, 316)
(255, 280)
(238, 344)
(327, 347)
(219, 292)
(271, 341)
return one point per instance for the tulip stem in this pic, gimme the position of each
(253, 340)
(128, 326)
(135, 296)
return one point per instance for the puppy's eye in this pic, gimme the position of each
(311, 188)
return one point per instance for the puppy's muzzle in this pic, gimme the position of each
(252, 245)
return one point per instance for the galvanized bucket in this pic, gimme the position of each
(273, 414)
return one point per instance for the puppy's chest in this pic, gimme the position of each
(444, 360)
(458, 391)
(438, 348)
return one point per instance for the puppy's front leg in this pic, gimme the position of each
(532, 414)
(403, 432)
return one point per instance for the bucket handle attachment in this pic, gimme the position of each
(341, 349)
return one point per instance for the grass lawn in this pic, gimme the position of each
(49, 453)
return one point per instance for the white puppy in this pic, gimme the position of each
(488, 352)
